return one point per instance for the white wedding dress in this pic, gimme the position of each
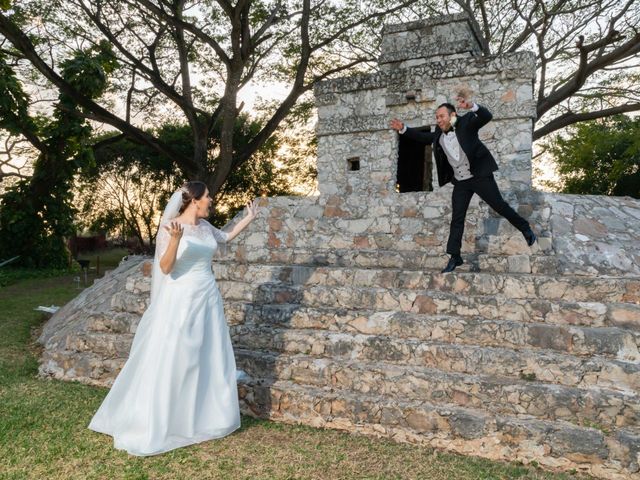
(178, 386)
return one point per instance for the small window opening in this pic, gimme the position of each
(353, 164)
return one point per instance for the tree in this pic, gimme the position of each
(36, 214)
(600, 157)
(124, 201)
(194, 57)
(588, 53)
(188, 61)
(126, 189)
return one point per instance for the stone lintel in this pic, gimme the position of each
(508, 66)
(372, 123)
(391, 28)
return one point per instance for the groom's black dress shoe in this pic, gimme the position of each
(454, 261)
(530, 237)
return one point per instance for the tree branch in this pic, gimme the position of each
(570, 118)
(297, 89)
(107, 141)
(360, 21)
(21, 42)
(189, 27)
(152, 74)
(183, 57)
(587, 68)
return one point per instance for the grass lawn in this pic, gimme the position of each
(99, 261)
(43, 432)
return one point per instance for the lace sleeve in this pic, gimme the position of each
(162, 241)
(219, 235)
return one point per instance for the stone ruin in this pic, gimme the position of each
(341, 319)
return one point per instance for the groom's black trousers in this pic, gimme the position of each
(487, 189)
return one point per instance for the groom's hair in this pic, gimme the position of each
(448, 106)
(190, 191)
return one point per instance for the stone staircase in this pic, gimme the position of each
(504, 365)
(504, 358)
(356, 329)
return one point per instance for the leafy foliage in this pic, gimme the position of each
(14, 102)
(36, 214)
(600, 157)
(127, 188)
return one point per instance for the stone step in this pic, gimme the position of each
(605, 408)
(107, 345)
(130, 301)
(560, 312)
(525, 262)
(609, 342)
(408, 298)
(477, 330)
(85, 366)
(554, 444)
(113, 322)
(534, 365)
(525, 286)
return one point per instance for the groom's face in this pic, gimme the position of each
(443, 118)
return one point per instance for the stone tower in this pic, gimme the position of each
(340, 317)
(422, 65)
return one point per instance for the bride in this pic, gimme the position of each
(178, 386)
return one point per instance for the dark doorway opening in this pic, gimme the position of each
(415, 166)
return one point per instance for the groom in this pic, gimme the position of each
(461, 158)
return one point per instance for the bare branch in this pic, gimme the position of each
(360, 21)
(570, 118)
(189, 27)
(22, 43)
(587, 68)
(296, 91)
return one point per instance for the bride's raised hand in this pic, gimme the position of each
(175, 230)
(252, 209)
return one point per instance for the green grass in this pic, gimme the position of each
(108, 259)
(43, 432)
(10, 275)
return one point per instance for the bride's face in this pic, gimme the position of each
(203, 205)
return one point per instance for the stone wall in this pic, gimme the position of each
(409, 44)
(578, 234)
(401, 231)
(595, 235)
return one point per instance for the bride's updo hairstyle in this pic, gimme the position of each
(192, 191)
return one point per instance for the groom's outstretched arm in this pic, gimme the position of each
(413, 134)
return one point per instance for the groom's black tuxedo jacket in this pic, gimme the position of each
(481, 161)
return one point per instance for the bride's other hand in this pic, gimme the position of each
(175, 230)
(252, 209)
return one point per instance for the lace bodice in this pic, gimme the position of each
(197, 245)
